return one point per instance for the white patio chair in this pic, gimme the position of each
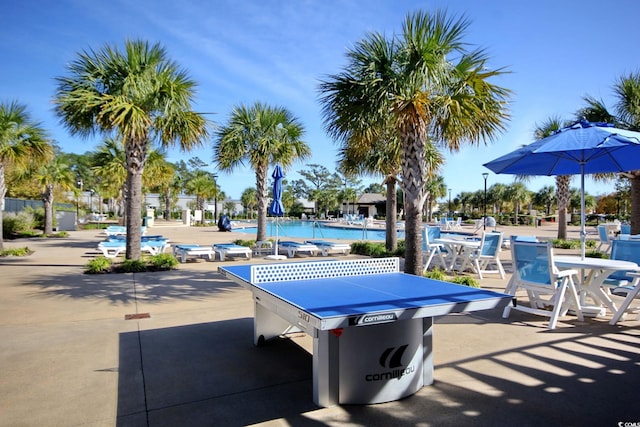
(430, 249)
(458, 223)
(487, 254)
(535, 273)
(605, 238)
(627, 283)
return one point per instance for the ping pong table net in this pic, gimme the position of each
(294, 271)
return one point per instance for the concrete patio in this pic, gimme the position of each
(185, 357)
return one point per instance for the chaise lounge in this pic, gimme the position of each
(227, 249)
(292, 248)
(113, 248)
(327, 247)
(183, 251)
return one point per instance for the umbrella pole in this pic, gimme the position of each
(583, 232)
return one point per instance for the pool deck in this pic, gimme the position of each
(175, 348)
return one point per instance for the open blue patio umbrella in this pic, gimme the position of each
(277, 208)
(582, 148)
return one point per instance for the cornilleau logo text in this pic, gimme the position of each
(369, 319)
(391, 358)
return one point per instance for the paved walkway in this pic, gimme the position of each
(68, 357)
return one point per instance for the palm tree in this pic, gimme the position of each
(543, 130)
(382, 156)
(248, 199)
(203, 186)
(435, 189)
(140, 94)
(51, 175)
(518, 194)
(21, 141)
(262, 135)
(627, 116)
(109, 166)
(429, 88)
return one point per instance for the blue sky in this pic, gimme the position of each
(277, 51)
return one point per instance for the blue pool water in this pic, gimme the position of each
(317, 230)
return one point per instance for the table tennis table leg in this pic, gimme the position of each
(427, 348)
(326, 373)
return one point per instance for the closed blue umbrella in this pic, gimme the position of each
(277, 208)
(582, 148)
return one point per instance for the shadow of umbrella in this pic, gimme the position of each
(582, 148)
(277, 208)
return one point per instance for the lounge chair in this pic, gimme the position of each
(227, 249)
(113, 248)
(263, 247)
(327, 247)
(183, 251)
(121, 230)
(292, 248)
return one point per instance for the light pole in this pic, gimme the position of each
(450, 213)
(91, 200)
(79, 185)
(215, 199)
(485, 176)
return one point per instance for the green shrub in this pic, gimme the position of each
(16, 252)
(466, 281)
(98, 265)
(247, 243)
(596, 254)
(59, 234)
(164, 261)
(376, 250)
(14, 224)
(566, 244)
(132, 266)
(437, 274)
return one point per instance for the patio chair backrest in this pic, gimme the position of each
(524, 239)
(603, 233)
(624, 250)
(429, 234)
(490, 244)
(625, 229)
(533, 262)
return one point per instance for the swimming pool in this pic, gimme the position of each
(317, 230)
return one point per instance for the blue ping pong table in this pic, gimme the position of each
(371, 324)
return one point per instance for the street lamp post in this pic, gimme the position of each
(79, 183)
(485, 176)
(215, 199)
(450, 213)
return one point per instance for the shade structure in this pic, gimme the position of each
(277, 208)
(582, 148)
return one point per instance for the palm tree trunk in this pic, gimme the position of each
(3, 192)
(262, 188)
(391, 241)
(562, 191)
(167, 204)
(414, 171)
(635, 202)
(47, 200)
(133, 214)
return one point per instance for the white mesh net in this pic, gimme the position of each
(284, 272)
